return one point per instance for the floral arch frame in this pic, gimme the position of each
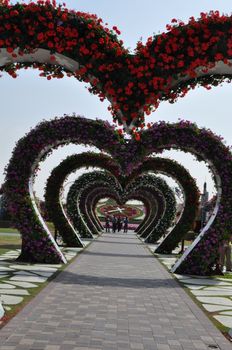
(202, 255)
(96, 179)
(157, 199)
(186, 136)
(54, 185)
(157, 165)
(57, 40)
(149, 203)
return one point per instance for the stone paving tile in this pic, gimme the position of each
(216, 291)
(18, 276)
(115, 295)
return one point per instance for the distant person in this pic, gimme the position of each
(119, 223)
(225, 255)
(107, 226)
(125, 224)
(114, 224)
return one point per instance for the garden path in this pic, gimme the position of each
(115, 295)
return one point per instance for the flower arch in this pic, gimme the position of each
(85, 183)
(190, 191)
(157, 165)
(38, 244)
(54, 188)
(170, 204)
(151, 197)
(200, 257)
(57, 40)
(96, 179)
(149, 203)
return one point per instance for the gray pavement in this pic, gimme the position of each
(115, 295)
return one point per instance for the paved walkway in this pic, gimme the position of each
(115, 295)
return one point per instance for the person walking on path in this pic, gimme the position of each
(125, 224)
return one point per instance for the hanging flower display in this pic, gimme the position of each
(58, 41)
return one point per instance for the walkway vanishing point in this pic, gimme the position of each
(114, 296)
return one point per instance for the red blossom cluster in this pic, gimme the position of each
(164, 68)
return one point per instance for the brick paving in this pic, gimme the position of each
(114, 296)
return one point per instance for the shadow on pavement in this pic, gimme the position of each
(120, 255)
(67, 277)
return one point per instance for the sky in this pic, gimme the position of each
(29, 99)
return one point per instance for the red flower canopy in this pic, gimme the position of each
(57, 41)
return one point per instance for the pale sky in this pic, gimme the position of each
(27, 100)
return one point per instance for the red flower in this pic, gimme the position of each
(10, 49)
(50, 44)
(40, 36)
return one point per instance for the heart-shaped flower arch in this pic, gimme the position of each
(150, 202)
(95, 178)
(153, 202)
(166, 221)
(87, 205)
(54, 188)
(200, 257)
(191, 198)
(57, 40)
(165, 166)
(37, 242)
(85, 183)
